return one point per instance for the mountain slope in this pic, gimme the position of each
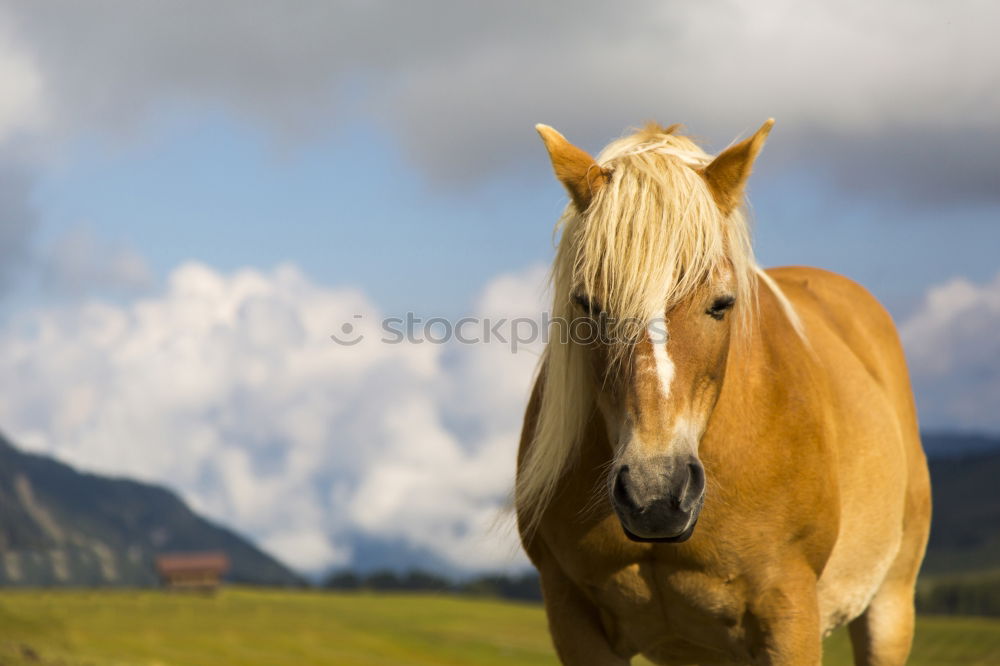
(59, 526)
(940, 445)
(965, 529)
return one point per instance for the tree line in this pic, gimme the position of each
(960, 595)
(520, 587)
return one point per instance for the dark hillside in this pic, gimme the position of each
(965, 531)
(59, 526)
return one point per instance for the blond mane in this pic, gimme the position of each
(651, 235)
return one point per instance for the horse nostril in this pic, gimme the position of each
(696, 476)
(620, 491)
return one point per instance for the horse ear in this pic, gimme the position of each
(727, 174)
(575, 168)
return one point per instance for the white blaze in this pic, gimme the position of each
(657, 332)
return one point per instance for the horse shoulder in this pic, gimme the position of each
(851, 311)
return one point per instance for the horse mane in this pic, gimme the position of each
(650, 236)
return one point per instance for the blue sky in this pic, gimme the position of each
(348, 208)
(189, 208)
(344, 206)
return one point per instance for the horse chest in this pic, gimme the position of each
(672, 613)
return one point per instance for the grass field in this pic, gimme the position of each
(248, 627)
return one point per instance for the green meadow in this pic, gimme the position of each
(251, 626)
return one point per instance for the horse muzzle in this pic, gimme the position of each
(660, 500)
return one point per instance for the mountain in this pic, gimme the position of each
(965, 529)
(951, 445)
(59, 526)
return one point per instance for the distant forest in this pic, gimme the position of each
(960, 595)
(522, 587)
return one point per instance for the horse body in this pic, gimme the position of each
(815, 515)
(811, 451)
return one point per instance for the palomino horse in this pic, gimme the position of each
(732, 468)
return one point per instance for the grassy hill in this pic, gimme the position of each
(251, 627)
(59, 526)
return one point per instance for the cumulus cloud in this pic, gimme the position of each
(229, 388)
(885, 94)
(954, 353)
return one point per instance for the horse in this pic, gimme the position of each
(731, 468)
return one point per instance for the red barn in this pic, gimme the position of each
(197, 571)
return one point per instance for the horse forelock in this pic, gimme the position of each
(651, 236)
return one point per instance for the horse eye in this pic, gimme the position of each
(588, 306)
(720, 306)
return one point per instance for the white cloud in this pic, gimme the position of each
(228, 388)
(953, 347)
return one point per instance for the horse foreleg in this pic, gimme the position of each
(788, 624)
(575, 623)
(883, 633)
